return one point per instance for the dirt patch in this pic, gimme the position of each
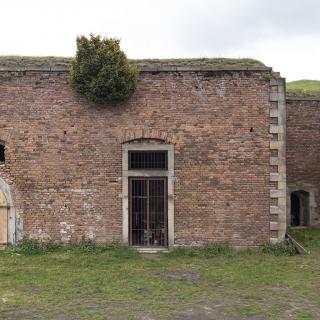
(179, 275)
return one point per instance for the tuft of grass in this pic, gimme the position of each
(304, 87)
(209, 250)
(278, 249)
(308, 237)
(34, 247)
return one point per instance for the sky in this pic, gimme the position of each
(283, 34)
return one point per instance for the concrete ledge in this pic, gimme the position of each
(274, 226)
(303, 98)
(146, 250)
(274, 161)
(274, 176)
(277, 193)
(274, 128)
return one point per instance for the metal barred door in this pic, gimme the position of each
(148, 211)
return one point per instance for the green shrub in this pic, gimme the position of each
(33, 246)
(278, 249)
(101, 71)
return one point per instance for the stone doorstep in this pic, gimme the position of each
(151, 250)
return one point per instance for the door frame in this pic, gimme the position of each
(165, 213)
(169, 173)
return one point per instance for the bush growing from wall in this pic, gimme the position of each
(101, 70)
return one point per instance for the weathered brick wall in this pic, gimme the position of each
(64, 154)
(303, 150)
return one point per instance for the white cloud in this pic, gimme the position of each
(283, 34)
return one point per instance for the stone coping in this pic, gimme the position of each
(303, 98)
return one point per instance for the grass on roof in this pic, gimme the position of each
(201, 61)
(28, 59)
(141, 62)
(304, 87)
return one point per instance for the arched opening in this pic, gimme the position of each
(300, 208)
(7, 215)
(2, 152)
(3, 220)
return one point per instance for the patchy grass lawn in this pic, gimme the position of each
(120, 284)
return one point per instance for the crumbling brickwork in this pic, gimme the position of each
(63, 154)
(303, 150)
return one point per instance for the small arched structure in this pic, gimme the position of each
(300, 208)
(7, 215)
(3, 220)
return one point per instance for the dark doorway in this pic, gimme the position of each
(295, 210)
(300, 208)
(148, 211)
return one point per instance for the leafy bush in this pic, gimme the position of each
(278, 249)
(33, 246)
(101, 71)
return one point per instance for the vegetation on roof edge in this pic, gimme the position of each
(177, 61)
(304, 87)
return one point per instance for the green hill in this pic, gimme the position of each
(304, 87)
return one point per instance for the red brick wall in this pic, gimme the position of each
(64, 154)
(303, 150)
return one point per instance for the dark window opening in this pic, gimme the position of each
(2, 155)
(140, 160)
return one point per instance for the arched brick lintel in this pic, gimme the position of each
(139, 134)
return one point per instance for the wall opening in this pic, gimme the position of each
(148, 194)
(148, 211)
(2, 152)
(300, 208)
(3, 220)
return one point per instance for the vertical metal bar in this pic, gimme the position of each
(148, 210)
(165, 207)
(130, 211)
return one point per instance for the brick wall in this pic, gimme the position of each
(303, 150)
(64, 154)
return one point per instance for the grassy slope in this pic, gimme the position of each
(304, 87)
(115, 285)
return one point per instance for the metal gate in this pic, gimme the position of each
(148, 203)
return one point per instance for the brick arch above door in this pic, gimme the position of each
(154, 134)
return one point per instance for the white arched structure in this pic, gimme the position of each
(7, 215)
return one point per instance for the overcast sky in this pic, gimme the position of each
(284, 34)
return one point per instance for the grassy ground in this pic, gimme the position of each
(304, 87)
(120, 284)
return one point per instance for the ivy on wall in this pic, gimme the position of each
(101, 70)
